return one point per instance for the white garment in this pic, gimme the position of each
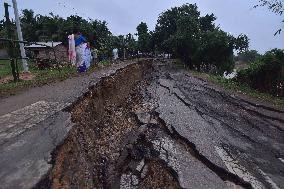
(88, 57)
(115, 54)
(84, 56)
(72, 49)
(80, 54)
(94, 53)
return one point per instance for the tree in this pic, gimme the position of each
(216, 52)
(131, 45)
(167, 24)
(29, 25)
(143, 37)
(99, 33)
(207, 22)
(55, 28)
(196, 40)
(2, 28)
(276, 6)
(248, 56)
(241, 43)
(266, 73)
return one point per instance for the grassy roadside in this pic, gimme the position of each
(104, 63)
(5, 68)
(41, 77)
(232, 85)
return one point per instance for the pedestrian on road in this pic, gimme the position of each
(82, 59)
(115, 54)
(72, 49)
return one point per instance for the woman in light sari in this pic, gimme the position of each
(82, 60)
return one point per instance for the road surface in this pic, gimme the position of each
(147, 125)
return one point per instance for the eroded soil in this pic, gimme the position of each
(152, 126)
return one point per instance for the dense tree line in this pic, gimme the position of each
(55, 28)
(180, 31)
(52, 27)
(248, 56)
(184, 33)
(195, 39)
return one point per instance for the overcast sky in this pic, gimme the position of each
(234, 16)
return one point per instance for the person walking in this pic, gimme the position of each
(81, 53)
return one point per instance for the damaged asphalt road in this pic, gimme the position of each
(233, 134)
(150, 125)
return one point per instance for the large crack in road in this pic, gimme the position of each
(150, 125)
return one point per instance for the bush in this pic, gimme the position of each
(266, 74)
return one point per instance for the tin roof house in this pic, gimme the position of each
(48, 50)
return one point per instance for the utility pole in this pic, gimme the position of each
(124, 45)
(20, 36)
(11, 46)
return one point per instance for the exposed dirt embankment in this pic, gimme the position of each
(95, 154)
(150, 125)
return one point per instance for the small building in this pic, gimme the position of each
(48, 50)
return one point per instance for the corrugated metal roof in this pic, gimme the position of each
(43, 44)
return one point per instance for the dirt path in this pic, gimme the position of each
(150, 125)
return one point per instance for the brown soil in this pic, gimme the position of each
(95, 154)
(158, 177)
(23, 76)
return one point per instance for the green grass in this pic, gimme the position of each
(42, 77)
(5, 68)
(233, 85)
(104, 62)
